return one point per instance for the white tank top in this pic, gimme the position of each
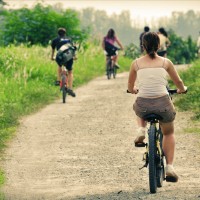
(152, 82)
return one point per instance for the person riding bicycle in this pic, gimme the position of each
(164, 42)
(146, 29)
(62, 44)
(108, 45)
(151, 72)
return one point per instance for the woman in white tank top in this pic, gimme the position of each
(151, 72)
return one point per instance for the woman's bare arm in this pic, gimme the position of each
(132, 79)
(119, 43)
(175, 77)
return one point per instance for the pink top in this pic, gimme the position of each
(110, 40)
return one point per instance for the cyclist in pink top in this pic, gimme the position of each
(108, 45)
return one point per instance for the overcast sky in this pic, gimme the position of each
(142, 9)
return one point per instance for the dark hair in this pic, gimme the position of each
(146, 28)
(111, 33)
(61, 32)
(162, 31)
(151, 42)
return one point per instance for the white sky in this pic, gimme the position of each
(140, 9)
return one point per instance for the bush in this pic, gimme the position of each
(132, 51)
(181, 51)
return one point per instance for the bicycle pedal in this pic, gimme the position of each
(140, 144)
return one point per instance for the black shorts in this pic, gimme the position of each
(68, 65)
(162, 53)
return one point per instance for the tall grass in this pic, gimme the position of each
(27, 78)
(191, 101)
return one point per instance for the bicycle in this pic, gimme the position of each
(154, 156)
(111, 69)
(63, 83)
(65, 54)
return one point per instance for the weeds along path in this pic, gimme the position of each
(84, 150)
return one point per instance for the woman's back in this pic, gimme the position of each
(151, 76)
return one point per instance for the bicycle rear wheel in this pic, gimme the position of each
(114, 72)
(152, 159)
(63, 88)
(108, 68)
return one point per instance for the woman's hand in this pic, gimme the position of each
(181, 91)
(135, 90)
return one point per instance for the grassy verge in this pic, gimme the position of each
(191, 100)
(27, 78)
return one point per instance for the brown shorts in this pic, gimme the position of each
(162, 106)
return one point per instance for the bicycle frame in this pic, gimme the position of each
(64, 83)
(110, 68)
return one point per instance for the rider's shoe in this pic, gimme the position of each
(141, 131)
(71, 92)
(171, 175)
(117, 66)
(57, 83)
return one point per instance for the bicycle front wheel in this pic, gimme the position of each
(160, 170)
(152, 159)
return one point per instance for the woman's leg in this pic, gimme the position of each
(169, 149)
(168, 141)
(141, 131)
(114, 61)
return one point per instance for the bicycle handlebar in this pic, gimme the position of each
(171, 91)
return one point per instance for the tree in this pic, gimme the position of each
(2, 2)
(39, 25)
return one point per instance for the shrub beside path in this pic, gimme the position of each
(84, 150)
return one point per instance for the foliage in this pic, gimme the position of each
(2, 2)
(181, 51)
(132, 51)
(39, 25)
(99, 22)
(190, 101)
(185, 23)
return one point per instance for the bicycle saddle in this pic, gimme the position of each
(150, 117)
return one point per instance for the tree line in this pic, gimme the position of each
(39, 25)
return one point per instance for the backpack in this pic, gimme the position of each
(65, 54)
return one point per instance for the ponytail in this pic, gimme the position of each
(151, 43)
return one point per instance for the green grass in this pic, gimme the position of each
(191, 100)
(27, 78)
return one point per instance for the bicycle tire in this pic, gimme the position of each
(152, 159)
(114, 72)
(108, 68)
(63, 88)
(160, 165)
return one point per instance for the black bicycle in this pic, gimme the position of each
(111, 69)
(154, 156)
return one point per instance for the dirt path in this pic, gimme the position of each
(83, 150)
